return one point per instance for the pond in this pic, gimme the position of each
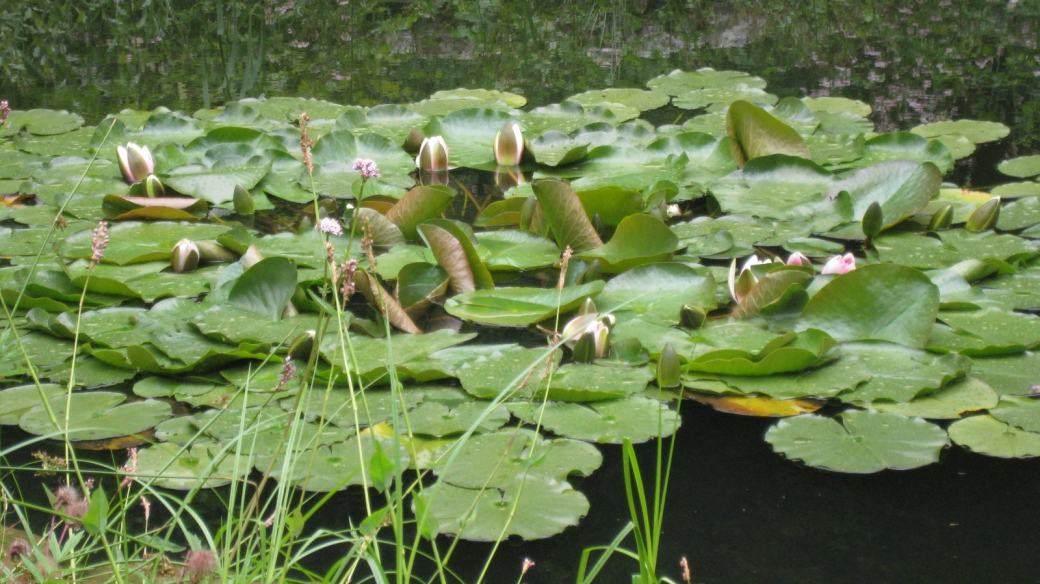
(738, 510)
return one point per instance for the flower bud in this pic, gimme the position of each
(840, 264)
(301, 346)
(587, 307)
(509, 144)
(153, 187)
(798, 259)
(433, 154)
(985, 217)
(185, 257)
(873, 220)
(668, 368)
(942, 219)
(242, 201)
(692, 317)
(135, 161)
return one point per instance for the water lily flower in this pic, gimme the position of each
(509, 144)
(433, 154)
(740, 284)
(673, 211)
(184, 257)
(591, 328)
(840, 264)
(798, 259)
(135, 161)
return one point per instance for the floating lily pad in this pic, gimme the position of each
(966, 395)
(519, 306)
(15, 401)
(639, 239)
(1019, 189)
(578, 382)
(607, 422)
(837, 105)
(658, 291)
(1020, 412)
(678, 82)
(861, 442)
(96, 415)
(41, 122)
(901, 374)
(446, 411)
(202, 466)
(135, 241)
(995, 331)
(988, 435)
(1021, 167)
(974, 130)
(902, 188)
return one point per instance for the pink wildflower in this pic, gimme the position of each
(129, 468)
(199, 565)
(367, 168)
(330, 226)
(100, 243)
(288, 371)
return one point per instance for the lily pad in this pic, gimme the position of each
(902, 188)
(519, 306)
(988, 435)
(966, 395)
(1021, 167)
(96, 415)
(861, 442)
(579, 382)
(1020, 412)
(658, 292)
(15, 401)
(636, 418)
(203, 466)
(639, 239)
(974, 130)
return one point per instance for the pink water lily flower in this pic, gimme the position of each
(798, 259)
(135, 161)
(840, 264)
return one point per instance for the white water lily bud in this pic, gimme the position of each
(135, 161)
(184, 257)
(433, 154)
(509, 144)
(740, 283)
(153, 187)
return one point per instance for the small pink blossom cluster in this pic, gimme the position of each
(99, 243)
(4, 110)
(330, 226)
(366, 167)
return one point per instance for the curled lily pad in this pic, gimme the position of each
(754, 132)
(861, 442)
(95, 415)
(788, 354)
(456, 253)
(566, 215)
(639, 239)
(518, 306)
(757, 406)
(418, 205)
(166, 208)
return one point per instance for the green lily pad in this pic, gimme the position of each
(488, 375)
(446, 411)
(658, 292)
(974, 130)
(678, 82)
(905, 146)
(1021, 167)
(265, 288)
(754, 132)
(204, 466)
(133, 241)
(579, 382)
(861, 442)
(41, 122)
(1014, 190)
(518, 306)
(639, 239)
(884, 302)
(901, 374)
(217, 183)
(988, 435)
(639, 99)
(1020, 412)
(966, 395)
(636, 418)
(720, 97)
(902, 188)
(837, 105)
(827, 381)
(996, 331)
(513, 250)
(96, 415)
(15, 401)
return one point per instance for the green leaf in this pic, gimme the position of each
(885, 302)
(202, 466)
(513, 250)
(658, 292)
(418, 205)
(519, 306)
(678, 82)
(754, 133)
(562, 207)
(1021, 412)
(905, 146)
(95, 415)
(41, 122)
(265, 288)
(967, 395)
(1021, 167)
(456, 253)
(974, 130)
(862, 442)
(988, 435)
(15, 401)
(579, 382)
(95, 520)
(771, 288)
(167, 208)
(902, 188)
(639, 239)
(217, 183)
(637, 419)
(901, 374)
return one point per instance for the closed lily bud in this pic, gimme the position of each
(185, 257)
(798, 259)
(211, 251)
(301, 346)
(985, 217)
(593, 272)
(942, 219)
(587, 307)
(509, 144)
(840, 264)
(873, 220)
(242, 201)
(527, 212)
(692, 317)
(668, 369)
(153, 187)
(135, 161)
(433, 154)
(741, 283)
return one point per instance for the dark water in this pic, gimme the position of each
(738, 512)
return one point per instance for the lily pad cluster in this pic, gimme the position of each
(765, 256)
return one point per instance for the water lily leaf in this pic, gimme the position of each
(217, 183)
(1014, 190)
(388, 120)
(959, 146)
(901, 374)
(41, 122)
(753, 133)
(783, 355)
(835, 149)
(965, 395)
(639, 99)
(447, 410)
(611, 204)
(504, 213)
(639, 239)
(719, 97)
(384, 231)
(902, 188)
(95, 415)
(342, 147)
(996, 331)
(1019, 214)
(770, 289)
(541, 508)
(199, 466)
(1011, 375)
(469, 133)
(456, 253)
(1021, 167)
(370, 354)
(290, 108)
(418, 205)
(554, 148)
(579, 382)
(974, 130)
(678, 82)
(1020, 412)
(420, 285)
(133, 241)
(905, 146)
(562, 207)
(15, 401)
(385, 303)
(74, 143)
(518, 250)
(502, 459)
(165, 208)
(337, 466)
(861, 442)
(988, 435)
(519, 306)
(658, 292)
(880, 302)
(757, 406)
(837, 105)
(636, 418)
(265, 288)
(823, 382)
(234, 324)
(511, 99)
